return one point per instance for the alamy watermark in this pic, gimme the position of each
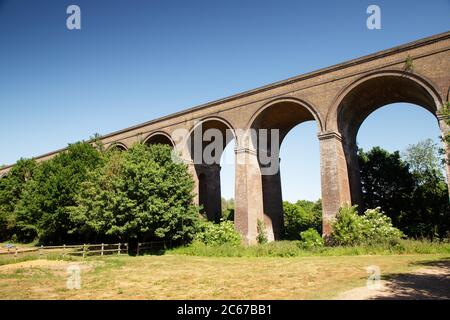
(374, 280)
(73, 21)
(374, 20)
(73, 277)
(206, 147)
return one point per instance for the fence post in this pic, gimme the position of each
(64, 251)
(84, 251)
(103, 247)
(41, 251)
(15, 253)
(118, 249)
(137, 253)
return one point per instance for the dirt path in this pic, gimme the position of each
(432, 282)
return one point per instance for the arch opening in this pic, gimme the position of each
(280, 118)
(381, 94)
(117, 147)
(159, 138)
(206, 144)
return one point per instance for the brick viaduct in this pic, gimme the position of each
(338, 98)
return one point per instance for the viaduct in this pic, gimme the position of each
(338, 98)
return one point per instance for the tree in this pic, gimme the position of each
(301, 216)
(414, 195)
(11, 189)
(424, 160)
(138, 195)
(43, 209)
(386, 182)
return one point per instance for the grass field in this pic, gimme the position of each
(188, 277)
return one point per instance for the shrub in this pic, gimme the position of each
(213, 234)
(378, 228)
(350, 229)
(311, 239)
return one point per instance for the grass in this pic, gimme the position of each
(280, 270)
(295, 249)
(187, 277)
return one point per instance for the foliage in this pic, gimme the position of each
(11, 189)
(43, 209)
(228, 209)
(424, 160)
(261, 237)
(141, 194)
(414, 196)
(409, 64)
(301, 216)
(372, 228)
(213, 234)
(311, 239)
(386, 181)
(297, 249)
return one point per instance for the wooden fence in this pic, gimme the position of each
(85, 250)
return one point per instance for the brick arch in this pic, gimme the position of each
(366, 95)
(299, 102)
(429, 99)
(119, 145)
(207, 175)
(159, 137)
(284, 114)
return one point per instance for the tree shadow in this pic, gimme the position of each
(432, 283)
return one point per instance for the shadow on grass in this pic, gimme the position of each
(432, 283)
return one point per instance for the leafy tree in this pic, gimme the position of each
(386, 182)
(424, 161)
(43, 209)
(140, 195)
(11, 189)
(414, 195)
(301, 216)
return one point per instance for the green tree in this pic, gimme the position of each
(386, 182)
(301, 216)
(413, 195)
(138, 195)
(424, 160)
(11, 189)
(43, 209)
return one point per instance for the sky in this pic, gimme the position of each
(133, 61)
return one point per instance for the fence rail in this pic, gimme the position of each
(85, 250)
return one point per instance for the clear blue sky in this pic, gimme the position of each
(138, 60)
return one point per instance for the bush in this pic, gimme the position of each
(350, 229)
(311, 239)
(213, 234)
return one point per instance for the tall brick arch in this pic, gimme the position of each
(364, 96)
(207, 175)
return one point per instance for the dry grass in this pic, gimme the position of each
(185, 277)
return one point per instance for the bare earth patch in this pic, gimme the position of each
(427, 283)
